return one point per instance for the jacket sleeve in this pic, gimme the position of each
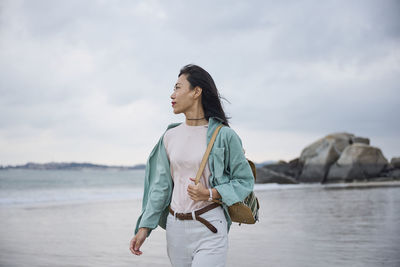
(241, 179)
(157, 188)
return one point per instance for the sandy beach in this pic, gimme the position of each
(92, 234)
(298, 227)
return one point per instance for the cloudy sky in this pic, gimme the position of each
(90, 81)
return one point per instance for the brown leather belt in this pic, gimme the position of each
(197, 213)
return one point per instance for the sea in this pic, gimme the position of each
(21, 187)
(300, 225)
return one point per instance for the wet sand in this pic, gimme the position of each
(305, 227)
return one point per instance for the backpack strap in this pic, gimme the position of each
(207, 153)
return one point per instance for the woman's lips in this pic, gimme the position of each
(173, 103)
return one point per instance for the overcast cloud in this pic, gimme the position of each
(89, 81)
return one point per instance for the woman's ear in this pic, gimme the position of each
(197, 91)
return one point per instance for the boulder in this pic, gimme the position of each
(320, 155)
(395, 162)
(395, 173)
(358, 139)
(265, 175)
(357, 161)
(291, 168)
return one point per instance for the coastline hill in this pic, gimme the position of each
(69, 166)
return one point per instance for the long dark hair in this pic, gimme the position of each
(210, 97)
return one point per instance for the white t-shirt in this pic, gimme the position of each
(185, 146)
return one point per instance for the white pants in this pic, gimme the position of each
(191, 244)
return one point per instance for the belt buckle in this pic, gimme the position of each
(194, 215)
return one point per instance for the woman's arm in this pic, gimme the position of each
(156, 196)
(240, 181)
(157, 188)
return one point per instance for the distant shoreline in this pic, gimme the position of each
(85, 165)
(70, 166)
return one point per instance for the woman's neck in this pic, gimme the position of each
(196, 118)
(196, 122)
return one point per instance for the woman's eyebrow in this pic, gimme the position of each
(177, 84)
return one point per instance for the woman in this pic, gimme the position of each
(197, 228)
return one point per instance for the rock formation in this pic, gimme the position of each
(337, 157)
(395, 162)
(320, 155)
(266, 175)
(357, 162)
(280, 173)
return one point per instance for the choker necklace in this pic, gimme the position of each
(195, 119)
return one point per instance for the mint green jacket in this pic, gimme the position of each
(231, 175)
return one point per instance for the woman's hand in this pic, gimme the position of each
(138, 240)
(198, 192)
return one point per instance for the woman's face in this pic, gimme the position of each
(182, 97)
